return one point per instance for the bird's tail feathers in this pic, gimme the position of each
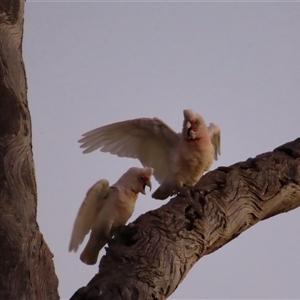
(91, 251)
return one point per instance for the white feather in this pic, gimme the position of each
(88, 212)
(106, 208)
(177, 158)
(150, 140)
(215, 137)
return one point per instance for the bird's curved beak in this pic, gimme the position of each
(148, 183)
(189, 127)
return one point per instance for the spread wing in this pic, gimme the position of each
(94, 201)
(215, 137)
(149, 140)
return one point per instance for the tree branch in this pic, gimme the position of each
(151, 256)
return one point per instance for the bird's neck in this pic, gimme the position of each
(132, 193)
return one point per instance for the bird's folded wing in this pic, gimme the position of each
(94, 201)
(215, 137)
(149, 140)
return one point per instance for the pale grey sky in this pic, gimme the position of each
(236, 64)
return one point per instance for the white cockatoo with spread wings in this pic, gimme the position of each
(106, 208)
(178, 159)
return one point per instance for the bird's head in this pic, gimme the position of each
(138, 178)
(192, 124)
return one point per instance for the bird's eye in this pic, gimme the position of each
(141, 179)
(196, 123)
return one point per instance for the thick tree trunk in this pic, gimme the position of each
(26, 265)
(149, 258)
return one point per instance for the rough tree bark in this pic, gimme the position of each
(26, 265)
(149, 258)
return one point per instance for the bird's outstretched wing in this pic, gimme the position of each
(150, 140)
(215, 137)
(88, 212)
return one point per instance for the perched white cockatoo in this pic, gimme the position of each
(105, 208)
(177, 158)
